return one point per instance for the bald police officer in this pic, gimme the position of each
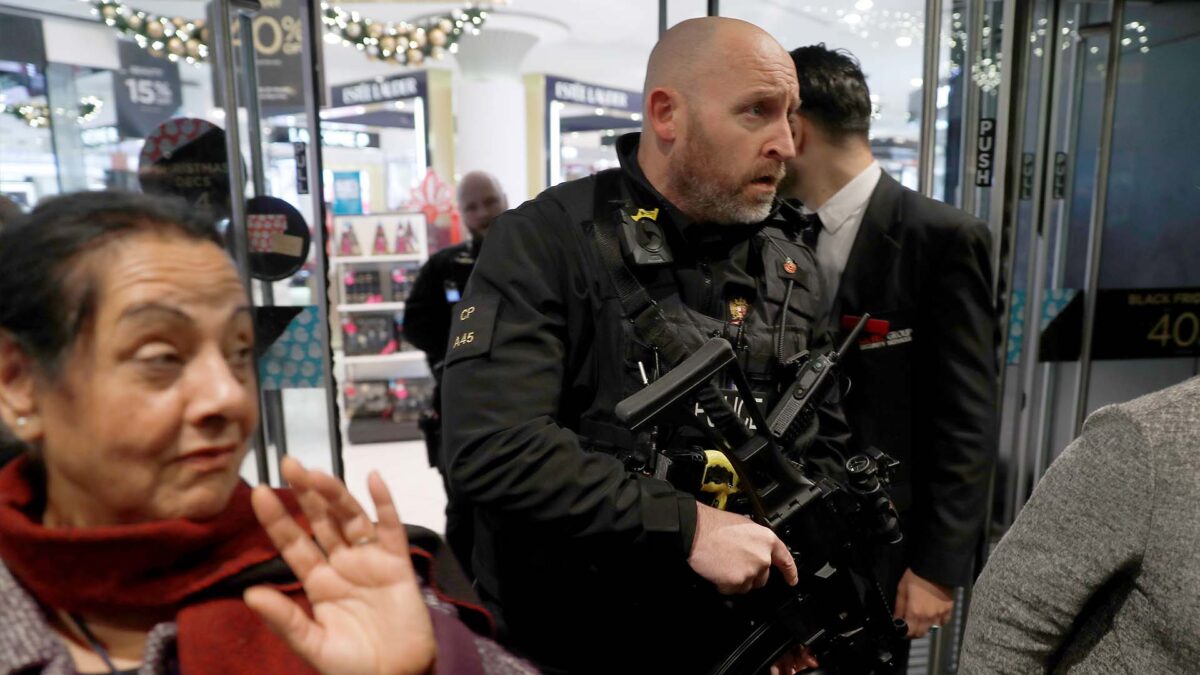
(590, 565)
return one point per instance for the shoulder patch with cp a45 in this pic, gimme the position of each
(471, 328)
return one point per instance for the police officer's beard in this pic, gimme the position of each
(709, 194)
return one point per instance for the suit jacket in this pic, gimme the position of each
(1100, 572)
(925, 393)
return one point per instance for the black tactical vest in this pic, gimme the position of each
(778, 255)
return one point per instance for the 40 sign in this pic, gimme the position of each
(273, 35)
(278, 38)
(1131, 323)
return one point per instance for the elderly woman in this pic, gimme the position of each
(127, 540)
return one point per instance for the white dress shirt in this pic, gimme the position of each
(841, 217)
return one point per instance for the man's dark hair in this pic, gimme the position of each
(45, 295)
(833, 91)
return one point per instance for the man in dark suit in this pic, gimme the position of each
(925, 385)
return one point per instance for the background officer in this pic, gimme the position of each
(443, 277)
(588, 566)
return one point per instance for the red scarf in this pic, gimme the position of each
(152, 566)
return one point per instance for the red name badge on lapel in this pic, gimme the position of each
(873, 334)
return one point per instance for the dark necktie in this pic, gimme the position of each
(810, 230)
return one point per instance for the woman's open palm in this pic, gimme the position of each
(369, 617)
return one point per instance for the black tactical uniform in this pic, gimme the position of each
(584, 559)
(439, 285)
(427, 315)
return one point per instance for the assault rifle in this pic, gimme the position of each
(834, 526)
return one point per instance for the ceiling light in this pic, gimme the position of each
(904, 41)
(916, 82)
(599, 111)
(863, 5)
(852, 19)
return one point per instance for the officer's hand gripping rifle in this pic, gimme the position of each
(832, 528)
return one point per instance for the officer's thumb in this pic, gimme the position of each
(782, 558)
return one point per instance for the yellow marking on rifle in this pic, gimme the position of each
(724, 482)
(652, 214)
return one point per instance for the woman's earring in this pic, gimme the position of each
(22, 421)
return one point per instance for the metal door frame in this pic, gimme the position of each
(228, 78)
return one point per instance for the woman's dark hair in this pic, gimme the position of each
(9, 211)
(833, 91)
(44, 299)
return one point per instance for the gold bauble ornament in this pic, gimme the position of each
(154, 29)
(437, 37)
(108, 12)
(375, 30)
(354, 31)
(387, 43)
(446, 25)
(176, 46)
(415, 57)
(135, 22)
(179, 22)
(156, 53)
(437, 53)
(193, 48)
(421, 37)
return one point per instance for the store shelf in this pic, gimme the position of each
(398, 257)
(398, 357)
(373, 307)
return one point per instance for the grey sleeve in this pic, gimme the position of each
(1086, 522)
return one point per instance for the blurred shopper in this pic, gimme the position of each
(1100, 573)
(925, 386)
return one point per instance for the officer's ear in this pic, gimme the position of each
(663, 113)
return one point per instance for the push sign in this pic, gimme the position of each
(986, 155)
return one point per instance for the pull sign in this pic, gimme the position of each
(301, 150)
(986, 152)
(1027, 167)
(1060, 175)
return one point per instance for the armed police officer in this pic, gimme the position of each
(590, 564)
(443, 278)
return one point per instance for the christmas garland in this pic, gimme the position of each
(407, 44)
(171, 37)
(37, 115)
(404, 43)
